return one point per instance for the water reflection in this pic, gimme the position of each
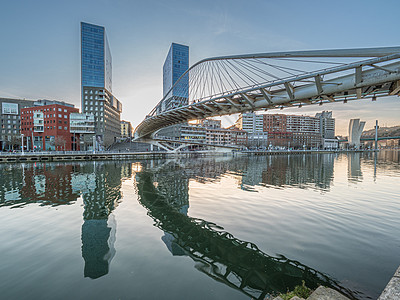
(101, 194)
(354, 167)
(301, 171)
(99, 185)
(163, 187)
(217, 253)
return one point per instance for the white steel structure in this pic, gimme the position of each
(242, 83)
(355, 130)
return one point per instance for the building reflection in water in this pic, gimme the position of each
(99, 185)
(163, 191)
(354, 167)
(101, 194)
(166, 197)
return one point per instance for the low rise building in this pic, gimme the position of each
(82, 128)
(10, 118)
(253, 124)
(301, 131)
(47, 127)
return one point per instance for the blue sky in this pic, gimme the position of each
(40, 43)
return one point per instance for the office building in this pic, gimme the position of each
(301, 131)
(126, 129)
(327, 130)
(292, 130)
(10, 118)
(47, 127)
(96, 85)
(176, 63)
(253, 124)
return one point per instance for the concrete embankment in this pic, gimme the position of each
(392, 290)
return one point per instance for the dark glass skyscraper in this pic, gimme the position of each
(176, 63)
(96, 76)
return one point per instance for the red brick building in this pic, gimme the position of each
(47, 127)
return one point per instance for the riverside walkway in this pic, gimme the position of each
(126, 155)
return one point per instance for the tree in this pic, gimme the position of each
(60, 142)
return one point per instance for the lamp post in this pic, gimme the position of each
(22, 142)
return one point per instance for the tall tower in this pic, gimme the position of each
(355, 130)
(176, 63)
(96, 60)
(96, 81)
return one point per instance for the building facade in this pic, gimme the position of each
(47, 127)
(82, 129)
(126, 129)
(176, 63)
(253, 124)
(301, 131)
(96, 85)
(10, 118)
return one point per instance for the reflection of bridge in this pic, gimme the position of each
(235, 84)
(236, 263)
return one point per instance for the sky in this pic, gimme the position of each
(40, 44)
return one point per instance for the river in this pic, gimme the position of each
(200, 228)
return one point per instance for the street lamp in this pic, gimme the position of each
(22, 141)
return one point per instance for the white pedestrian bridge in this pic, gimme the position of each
(227, 85)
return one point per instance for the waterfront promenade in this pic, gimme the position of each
(110, 155)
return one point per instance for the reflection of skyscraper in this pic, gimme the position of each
(354, 167)
(99, 227)
(98, 246)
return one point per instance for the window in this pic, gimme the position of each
(59, 127)
(60, 116)
(65, 128)
(65, 110)
(59, 109)
(65, 116)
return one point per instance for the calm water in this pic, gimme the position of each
(224, 228)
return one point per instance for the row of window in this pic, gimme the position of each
(46, 116)
(47, 127)
(9, 131)
(11, 117)
(42, 110)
